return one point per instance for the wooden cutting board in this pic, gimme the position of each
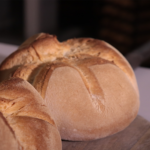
(135, 137)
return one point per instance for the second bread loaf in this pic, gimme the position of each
(26, 117)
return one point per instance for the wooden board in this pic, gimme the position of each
(135, 137)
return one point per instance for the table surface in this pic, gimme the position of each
(135, 137)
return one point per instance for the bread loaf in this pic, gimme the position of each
(88, 86)
(25, 123)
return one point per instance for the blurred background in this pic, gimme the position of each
(124, 24)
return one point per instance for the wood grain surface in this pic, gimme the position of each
(135, 137)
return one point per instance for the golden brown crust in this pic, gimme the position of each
(27, 115)
(103, 50)
(27, 72)
(43, 47)
(22, 100)
(33, 133)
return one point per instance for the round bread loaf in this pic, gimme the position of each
(88, 86)
(25, 123)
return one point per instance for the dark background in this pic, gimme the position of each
(124, 24)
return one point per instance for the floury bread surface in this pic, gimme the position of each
(7, 139)
(25, 123)
(88, 86)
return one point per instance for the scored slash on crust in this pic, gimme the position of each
(43, 48)
(82, 66)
